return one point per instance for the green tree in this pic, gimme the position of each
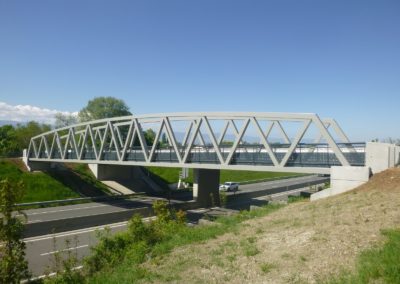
(14, 139)
(164, 140)
(149, 136)
(63, 120)
(24, 133)
(103, 107)
(8, 143)
(13, 266)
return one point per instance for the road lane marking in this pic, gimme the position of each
(68, 249)
(33, 221)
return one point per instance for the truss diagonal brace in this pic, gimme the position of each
(295, 142)
(237, 141)
(265, 142)
(213, 140)
(331, 142)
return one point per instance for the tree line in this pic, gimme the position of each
(15, 138)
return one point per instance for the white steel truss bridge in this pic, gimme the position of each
(289, 142)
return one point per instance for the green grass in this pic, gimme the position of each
(167, 175)
(38, 186)
(267, 267)
(294, 199)
(171, 175)
(87, 176)
(376, 265)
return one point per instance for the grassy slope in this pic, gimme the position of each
(171, 175)
(38, 186)
(88, 179)
(41, 186)
(300, 243)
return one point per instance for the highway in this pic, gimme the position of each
(41, 249)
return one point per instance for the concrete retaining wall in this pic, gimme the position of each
(70, 224)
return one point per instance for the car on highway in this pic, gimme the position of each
(229, 186)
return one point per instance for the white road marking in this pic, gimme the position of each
(33, 221)
(68, 249)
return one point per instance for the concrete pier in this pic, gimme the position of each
(206, 187)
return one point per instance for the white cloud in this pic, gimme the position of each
(24, 113)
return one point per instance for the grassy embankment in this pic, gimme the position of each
(171, 175)
(350, 238)
(41, 186)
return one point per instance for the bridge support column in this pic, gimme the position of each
(206, 187)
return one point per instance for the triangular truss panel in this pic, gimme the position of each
(134, 142)
(165, 147)
(252, 141)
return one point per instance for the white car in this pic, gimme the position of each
(229, 186)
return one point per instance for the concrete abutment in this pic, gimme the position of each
(113, 172)
(378, 157)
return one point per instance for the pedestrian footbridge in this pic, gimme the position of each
(289, 142)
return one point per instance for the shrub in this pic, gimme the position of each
(13, 266)
(181, 217)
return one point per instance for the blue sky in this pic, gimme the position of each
(339, 59)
